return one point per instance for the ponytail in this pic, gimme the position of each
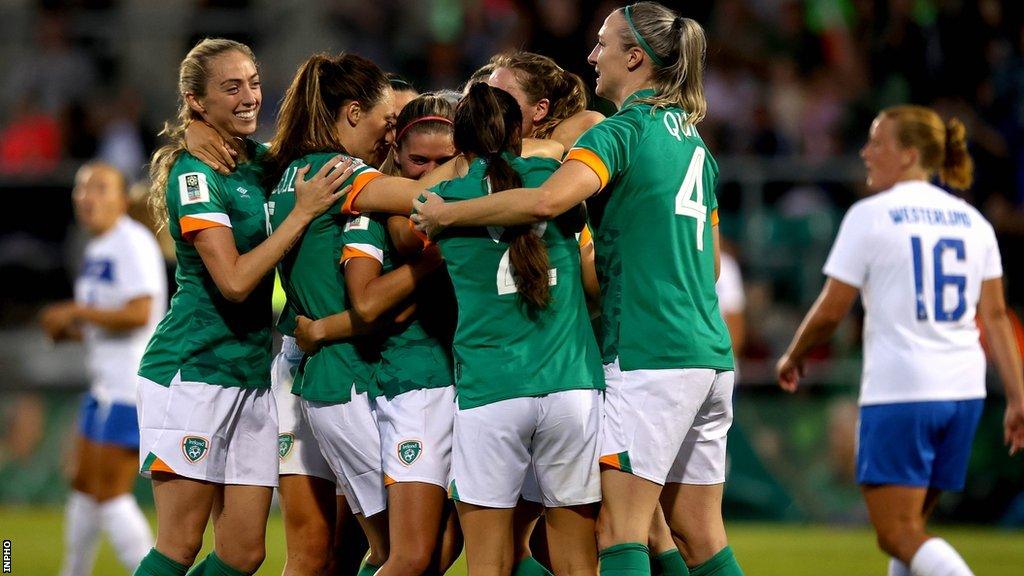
(957, 167)
(676, 47)
(488, 124)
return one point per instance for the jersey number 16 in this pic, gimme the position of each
(942, 280)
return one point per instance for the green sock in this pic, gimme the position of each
(212, 565)
(721, 564)
(530, 567)
(629, 559)
(367, 569)
(669, 563)
(156, 564)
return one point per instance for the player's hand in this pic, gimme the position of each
(426, 212)
(308, 335)
(58, 320)
(203, 142)
(314, 196)
(788, 373)
(1013, 428)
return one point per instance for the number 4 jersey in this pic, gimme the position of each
(919, 255)
(655, 253)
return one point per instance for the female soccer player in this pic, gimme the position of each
(415, 408)
(526, 360)
(925, 262)
(657, 247)
(207, 420)
(120, 295)
(341, 103)
(553, 101)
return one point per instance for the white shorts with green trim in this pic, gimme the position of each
(416, 435)
(667, 425)
(297, 449)
(208, 432)
(349, 440)
(557, 435)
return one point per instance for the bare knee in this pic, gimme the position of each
(900, 540)
(411, 560)
(244, 558)
(309, 548)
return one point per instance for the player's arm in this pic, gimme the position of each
(374, 294)
(237, 275)
(588, 273)
(571, 184)
(310, 334)
(537, 148)
(821, 322)
(134, 314)
(716, 242)
(1006, 356)
(569, 130)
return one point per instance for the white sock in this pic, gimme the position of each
(81, 534)
(127, 529)
(937, 558)
(897, 568)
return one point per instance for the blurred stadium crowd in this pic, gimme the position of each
(792, 87)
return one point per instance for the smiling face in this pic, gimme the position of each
(884, 158)
(99, 197)
(533, 112)
(609, 59)
(421, 152)
(233, 97)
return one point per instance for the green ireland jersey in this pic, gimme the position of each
(415, 355)
(502, 348)
(286, 322)
(655, 253)
(204, 336)
(313, 281)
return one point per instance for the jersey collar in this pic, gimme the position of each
(645, 93)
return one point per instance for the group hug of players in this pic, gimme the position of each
(469, 346)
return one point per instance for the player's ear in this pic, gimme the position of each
(634, 57)
(541, 110)
(353, 112)
(194, 104)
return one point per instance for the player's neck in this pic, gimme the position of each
(632, 86)
(914, 174)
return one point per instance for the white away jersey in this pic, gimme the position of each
(122, 264)
(919, 256)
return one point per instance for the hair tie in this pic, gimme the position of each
(441, 119)
(628, 10)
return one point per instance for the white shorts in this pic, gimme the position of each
(297, 448)
(557, 435)
(667, 425)
(348, 438)
(416, 435)
(207, 432)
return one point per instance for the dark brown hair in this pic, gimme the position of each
(488, 124)
(309, 111)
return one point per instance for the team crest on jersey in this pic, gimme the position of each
(409, 451)
(195, 448)
(284, 444)
(193, 188)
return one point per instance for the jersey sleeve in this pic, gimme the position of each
(849, 258)
(196, 192)
(143, 269)
(363, 175)
(363, 237)
(993, 259)
(605, 148)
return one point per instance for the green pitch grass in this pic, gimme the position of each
(763, 549)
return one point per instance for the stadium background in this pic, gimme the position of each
(792, 87)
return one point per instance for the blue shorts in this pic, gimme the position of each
(925, 444)
(114, 423)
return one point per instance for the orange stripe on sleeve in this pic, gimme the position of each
(348, 252)
(419, 234)
(593, 161)
(191, 226)
(586, 236)
(714, 217)
(358, 184)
